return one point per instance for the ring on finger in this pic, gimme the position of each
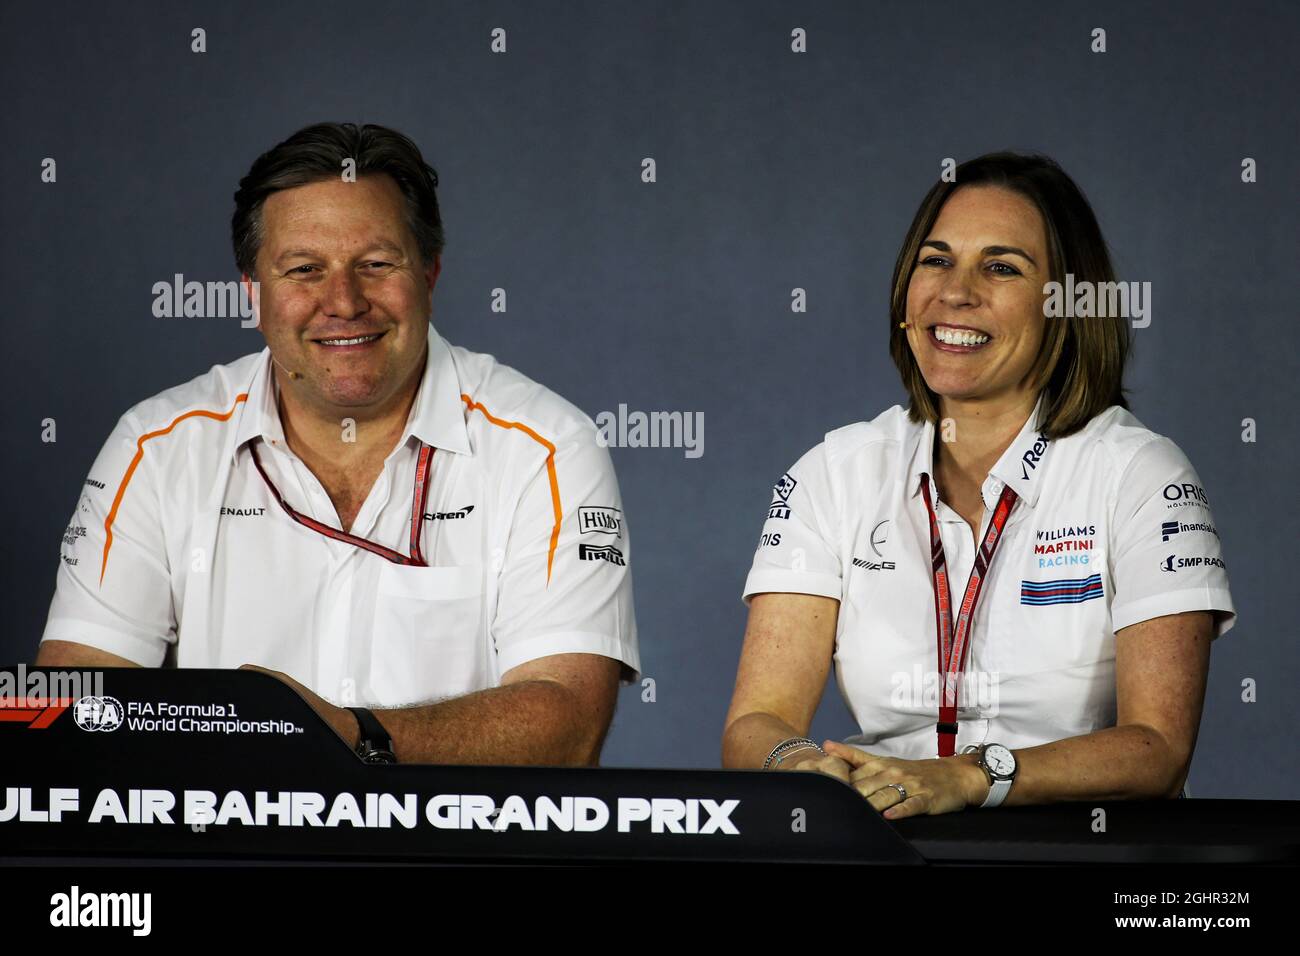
(902, 791)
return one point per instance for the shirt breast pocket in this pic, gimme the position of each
(427, 639)
(1051, 622)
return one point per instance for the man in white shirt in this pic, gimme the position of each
(376, 517)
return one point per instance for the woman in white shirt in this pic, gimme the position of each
(1072, 665)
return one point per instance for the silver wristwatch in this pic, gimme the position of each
(999, 764)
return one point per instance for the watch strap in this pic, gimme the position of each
(998, 788)
(998, 791)
(374, 745)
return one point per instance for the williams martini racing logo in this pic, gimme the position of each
(1064, 591)
(1058, 547)
(780, 506)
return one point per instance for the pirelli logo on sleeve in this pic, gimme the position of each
(596, 552)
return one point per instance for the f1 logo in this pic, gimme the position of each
(36, 712)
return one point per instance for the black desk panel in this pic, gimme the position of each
(125, 770)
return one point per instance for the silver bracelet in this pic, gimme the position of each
(791, 743)
(794, 750)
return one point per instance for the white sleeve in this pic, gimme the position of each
(571, 593)
(113, 589)
(797, 550)
(1167, 557)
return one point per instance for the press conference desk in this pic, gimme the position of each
(233, 766)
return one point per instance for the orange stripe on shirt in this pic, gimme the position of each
(139, 453)
(550, 473)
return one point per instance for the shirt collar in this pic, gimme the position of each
(437, 417)
(1021, 465)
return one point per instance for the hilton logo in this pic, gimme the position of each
(600, 521)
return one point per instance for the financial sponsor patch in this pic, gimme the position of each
(1170, 528)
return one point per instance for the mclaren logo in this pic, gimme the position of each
(448, 515)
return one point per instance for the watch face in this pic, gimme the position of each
(1000, 761)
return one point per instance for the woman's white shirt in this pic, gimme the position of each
(1112, 527)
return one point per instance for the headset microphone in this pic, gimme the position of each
(293, 376)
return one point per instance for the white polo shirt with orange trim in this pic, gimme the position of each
(178, 553)
(1112, 527)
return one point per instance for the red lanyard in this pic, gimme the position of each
(952, 645)
(419, 498)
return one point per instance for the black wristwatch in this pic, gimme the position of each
(375, 746)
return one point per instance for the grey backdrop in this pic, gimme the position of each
(775, 171)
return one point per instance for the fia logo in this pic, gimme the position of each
(98, 713)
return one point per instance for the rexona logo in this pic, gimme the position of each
(1029, 461)
(598, 520)
(448, 515)
(98, 713)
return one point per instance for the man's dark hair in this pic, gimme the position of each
(317, 152)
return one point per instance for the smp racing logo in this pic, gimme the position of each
(1175, 563)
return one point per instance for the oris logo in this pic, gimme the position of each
(98, 713)
(1185, 493)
